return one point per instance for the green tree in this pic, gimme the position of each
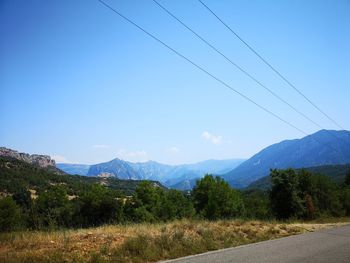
(9, 214)
(174, 205)
(347, 178)
(256, 204)
(327, 196)
(285, 194)
(345, 199)
(53, 209)
(146, 203)
(23, 198)
(151, 203)
(98, 205)
(214, 199)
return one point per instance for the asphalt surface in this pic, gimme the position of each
(331, 245)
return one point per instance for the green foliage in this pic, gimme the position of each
(285, 194)
(23, 199)
(75, 201)
(16, 174)
(9, 214)
(151, 203)
(174, 205)
(300, 194)
(257, 204)
(345, 200)
(98, 205)
(53, 208)
(347, 179)
(213, 199)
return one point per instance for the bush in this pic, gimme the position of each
(304, 195)
(9, 214)
(97, 205)
(53, 209)
(214, 199)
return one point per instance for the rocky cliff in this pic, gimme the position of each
(42, 161)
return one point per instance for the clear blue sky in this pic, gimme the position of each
(79, 83)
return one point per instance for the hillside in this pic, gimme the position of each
(42, 161)
(16, 174)
(321, 148)
(335, 172)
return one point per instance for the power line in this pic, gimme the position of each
(237, 66)
(270, 66)
(201, 68)
(209, 74)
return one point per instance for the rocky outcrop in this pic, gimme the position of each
(42, 161)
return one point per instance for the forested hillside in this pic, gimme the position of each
(16, 174)
(34, 198)
(336, 172)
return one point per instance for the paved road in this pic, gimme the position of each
(325, 246)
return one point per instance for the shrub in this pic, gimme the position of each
(9, 214)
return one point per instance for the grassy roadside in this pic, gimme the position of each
(144, 242)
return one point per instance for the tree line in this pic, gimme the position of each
(294, 194)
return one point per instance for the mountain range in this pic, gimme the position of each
(181, 177)
(325, 147)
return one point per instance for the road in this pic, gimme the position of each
(330, 245)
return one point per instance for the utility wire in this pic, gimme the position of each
(271, 67)
(237, 66)
(209, 74)
(202, 69)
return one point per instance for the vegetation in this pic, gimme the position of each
(16, 174)
(39, 200)
(9, 214)
(301, 194)
(140, 242)
(213, 198)
(336, 172)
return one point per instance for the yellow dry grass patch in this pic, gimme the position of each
(83, 245)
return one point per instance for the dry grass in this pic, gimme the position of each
(143, 242)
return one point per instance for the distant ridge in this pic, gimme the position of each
(325, 147)
(173, 176)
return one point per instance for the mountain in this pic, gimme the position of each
(186, 184)
(336, 172)
(214, 166)
(69, 168)
(151, 170)
(324, 147)
(42, 161)
(115, 168)
(181, 177)
(184, 177)
(17, 174)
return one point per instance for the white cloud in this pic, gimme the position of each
(60, 159)
(215, 139)
(100, 146)
(173, 149)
